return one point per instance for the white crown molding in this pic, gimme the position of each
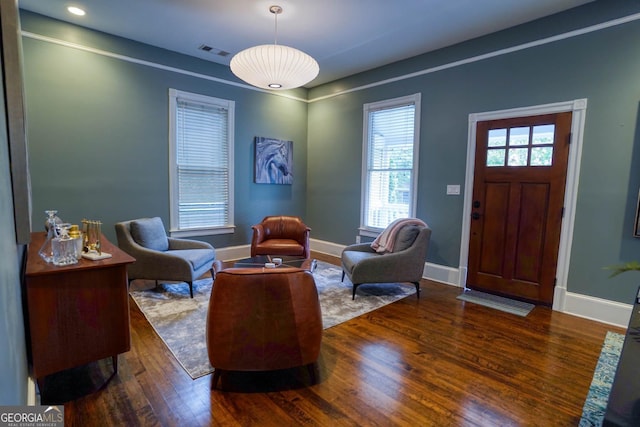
(500, 52)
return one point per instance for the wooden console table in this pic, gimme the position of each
(77, 313)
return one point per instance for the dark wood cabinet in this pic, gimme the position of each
(78, 313)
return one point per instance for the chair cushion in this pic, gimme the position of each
(196, 257)
(279, 247)
(150, 233)
(405, 238)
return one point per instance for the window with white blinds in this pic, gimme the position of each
(201, 171)
(390, 161)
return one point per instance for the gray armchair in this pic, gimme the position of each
(362, 264)
(159, 257)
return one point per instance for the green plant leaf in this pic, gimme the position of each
(622, 268)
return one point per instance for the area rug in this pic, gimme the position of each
(596, 404)
(180, 320)
(499, 303)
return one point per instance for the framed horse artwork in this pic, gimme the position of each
(273, 161)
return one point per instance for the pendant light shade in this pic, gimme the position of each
(273, 66)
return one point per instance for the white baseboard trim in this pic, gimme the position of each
(325, 247)
(244, 251)
(233, 252)
(598, 309)
(33, 397)
(442, 274)
(592, 308)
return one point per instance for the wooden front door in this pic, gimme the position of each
(518, 197)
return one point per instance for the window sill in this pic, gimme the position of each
(203, 231)
(369, 232)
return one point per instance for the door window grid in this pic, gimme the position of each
(521, 146)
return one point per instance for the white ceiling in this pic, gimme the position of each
(344, 36)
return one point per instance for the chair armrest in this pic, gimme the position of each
(151, 256)
(257, 237)
(388, 260)
(305, 242)
(359, 247)
(258, 233)
(391, 267)
(149, 261)
(177, 244)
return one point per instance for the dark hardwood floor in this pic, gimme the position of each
(436, 361)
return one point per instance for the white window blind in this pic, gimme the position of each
(202, 165)
(390, 161)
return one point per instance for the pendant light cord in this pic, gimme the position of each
(276, 10)
(276, 38)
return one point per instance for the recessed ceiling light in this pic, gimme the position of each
(76, 10)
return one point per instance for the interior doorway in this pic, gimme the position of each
(520, 194)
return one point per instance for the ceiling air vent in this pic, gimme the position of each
(213, 50)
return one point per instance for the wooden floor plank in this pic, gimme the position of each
(432, 361)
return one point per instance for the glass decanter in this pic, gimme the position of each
(64, 247)
(46, 251)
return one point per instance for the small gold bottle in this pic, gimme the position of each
(76, 235)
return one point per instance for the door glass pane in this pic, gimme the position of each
(543, 134)
(495, 157)
(541, 156)
(518, 156)
(497, 137)
(519, 136)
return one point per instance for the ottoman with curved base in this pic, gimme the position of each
(262, 320)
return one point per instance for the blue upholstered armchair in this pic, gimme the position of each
(159, 257)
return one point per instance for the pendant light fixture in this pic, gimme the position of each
(273, 66)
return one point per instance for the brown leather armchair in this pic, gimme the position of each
(263, 319)
(281, 235)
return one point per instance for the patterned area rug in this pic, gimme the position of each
(598, 396)
(180, 320)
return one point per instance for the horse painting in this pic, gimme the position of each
(274, 160)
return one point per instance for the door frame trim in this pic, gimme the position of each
(578, 107)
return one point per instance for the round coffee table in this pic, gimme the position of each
(287, 261)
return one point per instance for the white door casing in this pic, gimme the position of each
(578, 107)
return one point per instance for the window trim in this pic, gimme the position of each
(414, 99)
(174, 229)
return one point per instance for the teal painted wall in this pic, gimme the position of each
(602, 66)
(98, 131)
